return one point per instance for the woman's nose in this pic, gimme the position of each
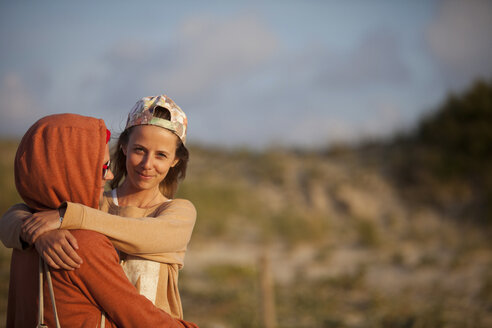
(147, 162)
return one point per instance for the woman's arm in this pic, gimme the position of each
(10, 226)
(56, 248)
(169, 232)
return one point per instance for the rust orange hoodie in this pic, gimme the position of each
(60, 159)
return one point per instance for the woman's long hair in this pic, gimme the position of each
(169, 185)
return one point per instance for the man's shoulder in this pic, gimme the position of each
(91, 242)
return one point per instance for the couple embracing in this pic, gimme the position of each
(87, 258)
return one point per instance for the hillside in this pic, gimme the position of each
(345, 249)
(445, 161)
(361, 236)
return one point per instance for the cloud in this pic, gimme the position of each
(314, 97)
(377, 60)
(240, 85)
(318, 96)
(211, 50)
(460, 39)
(18, 108)
(204, 54)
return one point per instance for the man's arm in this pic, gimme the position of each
(102, 280)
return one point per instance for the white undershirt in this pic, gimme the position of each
(115, 197)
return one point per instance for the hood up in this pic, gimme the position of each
(60, 159)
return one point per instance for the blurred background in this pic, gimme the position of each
(341, 152)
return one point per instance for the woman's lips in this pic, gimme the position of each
(145, 177)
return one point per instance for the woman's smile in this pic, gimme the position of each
(145, 176)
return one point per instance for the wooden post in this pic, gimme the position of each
(267, 293)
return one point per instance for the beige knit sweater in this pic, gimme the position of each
(156, 237)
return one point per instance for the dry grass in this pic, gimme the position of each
(345, 250)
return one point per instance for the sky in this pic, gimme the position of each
(247, 73)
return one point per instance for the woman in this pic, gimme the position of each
(139, 215)
(65, 157)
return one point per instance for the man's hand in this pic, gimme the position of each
(39, 223)
(57, 248)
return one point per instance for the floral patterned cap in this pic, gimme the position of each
(143, 114)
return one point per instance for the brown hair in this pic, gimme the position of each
(169, 185)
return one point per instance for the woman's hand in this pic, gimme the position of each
(57, 248)
(39, 223)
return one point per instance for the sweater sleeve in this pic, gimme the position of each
(102, 279)
(10, 226)
(169, 232)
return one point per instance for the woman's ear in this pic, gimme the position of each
(123, 149)
(176, 161)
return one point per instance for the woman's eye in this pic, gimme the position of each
(162, 155)
(138, 150)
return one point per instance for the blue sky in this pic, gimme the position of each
(251, 73)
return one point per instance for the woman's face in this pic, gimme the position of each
(150, 153)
